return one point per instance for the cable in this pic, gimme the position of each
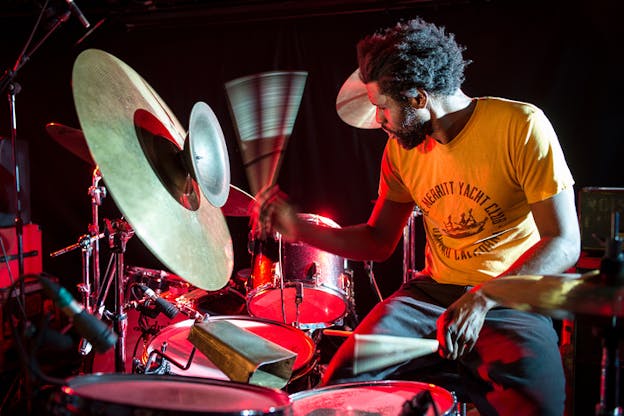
(368, 267)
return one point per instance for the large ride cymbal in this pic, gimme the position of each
(560, 296)
(353, 105)
(138, 145)
(71, 139)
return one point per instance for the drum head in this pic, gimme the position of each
(121, 394)
(375, 398)
(320, 307)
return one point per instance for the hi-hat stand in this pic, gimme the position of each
(119, 233)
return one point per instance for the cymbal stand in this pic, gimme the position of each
(612, 274)
(92, 251)
(119, 232)
(90, 248)
(97, 194)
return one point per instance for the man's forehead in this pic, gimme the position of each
(375, 95)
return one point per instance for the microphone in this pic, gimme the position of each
(73, 8)
(165, 307)
(101, 337)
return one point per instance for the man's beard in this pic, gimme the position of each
(412, 132)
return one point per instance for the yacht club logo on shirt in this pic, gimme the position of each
(467, 222)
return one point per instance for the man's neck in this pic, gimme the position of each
(450, 115)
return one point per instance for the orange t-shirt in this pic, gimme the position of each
(475, 191)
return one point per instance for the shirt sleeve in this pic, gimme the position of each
(542, 170)
(391, 186)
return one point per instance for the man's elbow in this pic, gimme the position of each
(571, 250)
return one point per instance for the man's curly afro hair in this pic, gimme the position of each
(410, 55)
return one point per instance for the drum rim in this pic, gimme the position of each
(372, 383)
(281, 401)
(298, 397)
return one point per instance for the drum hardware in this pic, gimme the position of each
(164, 367)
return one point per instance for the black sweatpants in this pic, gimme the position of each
(514, 369)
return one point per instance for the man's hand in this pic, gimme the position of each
(272, 213)
(459, 326)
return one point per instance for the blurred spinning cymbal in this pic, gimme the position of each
(353, 105)
(153, 173)
(71, 139)
(560, 296)
(264, 107)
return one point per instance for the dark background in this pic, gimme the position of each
(562, 56)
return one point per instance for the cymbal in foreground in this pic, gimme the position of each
(353, 105)
(71, 139)
(560, 296)
(136, 141)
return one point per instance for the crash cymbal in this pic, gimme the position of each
(560, 296)
(238, 203)
(138, 145)
(353, 105)
(71, 139)
(264, 107)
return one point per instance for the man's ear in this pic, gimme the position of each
(419, 101)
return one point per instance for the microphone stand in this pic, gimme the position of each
(8, 84)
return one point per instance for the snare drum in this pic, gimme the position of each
(179, 347)
(379, 398)
(316, 286)
(131, 394)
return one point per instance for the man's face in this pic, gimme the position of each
(403, 122)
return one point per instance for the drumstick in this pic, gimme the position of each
(373, 352)
(336, 333)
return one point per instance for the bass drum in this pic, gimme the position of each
(179, 348)
(378, 398)
(130, 394)
(316, 285)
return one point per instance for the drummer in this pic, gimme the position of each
(497, 198)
